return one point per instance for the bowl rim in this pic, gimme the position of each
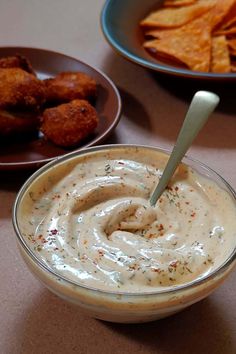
(138, 59)
(65, 158)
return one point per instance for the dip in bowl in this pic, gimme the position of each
(86, 229)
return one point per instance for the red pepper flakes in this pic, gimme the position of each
(56, 196)
(121, 163)
(151, 236)
(176, 188)
(84, 257)
(156, 270)
(174, 264)
(193, 214)
(53, 232)
(133, 267)
(42, 239)
(101, 253)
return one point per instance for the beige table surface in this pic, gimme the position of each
(32, 320)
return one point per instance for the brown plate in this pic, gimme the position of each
(34, 152)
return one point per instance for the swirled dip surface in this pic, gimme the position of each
(91, 221)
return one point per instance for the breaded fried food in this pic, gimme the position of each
(14, 123)
(68, 86)
(17, 61)
(20, 89)
(69, 123)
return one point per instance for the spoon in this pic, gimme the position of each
(202, 105)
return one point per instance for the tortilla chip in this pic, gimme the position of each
(220, 11)
(228, 18)
(189, 44)
(231, 43)
(177, 3)
(159, 33)
(233, 67)
(232, 52)
(176, 17)
(220, 58)
(229, 23)
(225, 32)
(232, 46)
(186, 32)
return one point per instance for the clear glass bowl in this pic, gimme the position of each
(119, 306)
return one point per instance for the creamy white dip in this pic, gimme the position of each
(91, 221)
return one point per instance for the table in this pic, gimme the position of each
(32, 320)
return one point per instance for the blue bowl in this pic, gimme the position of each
(120, 25)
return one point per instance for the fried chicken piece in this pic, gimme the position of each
(66, 125)
(15, 123)
(17, 61)
(20, 89)
(68, 86)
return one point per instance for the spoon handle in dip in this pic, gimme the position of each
(202, 105)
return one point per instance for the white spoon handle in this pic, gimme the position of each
(202, 105)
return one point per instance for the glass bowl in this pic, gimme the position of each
(110, 305)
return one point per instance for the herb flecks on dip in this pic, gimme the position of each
(90, 220)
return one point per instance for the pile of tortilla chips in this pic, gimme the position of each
(197, 34)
